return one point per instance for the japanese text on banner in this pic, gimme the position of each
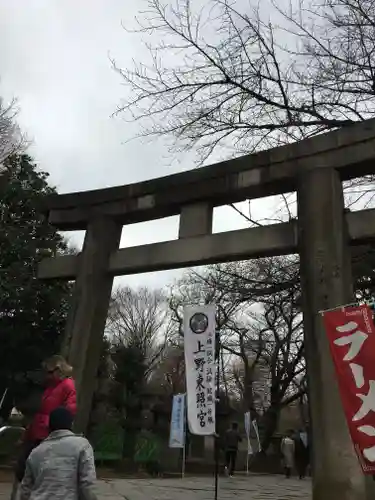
(199, 339)
(177, 429)
(351, 335)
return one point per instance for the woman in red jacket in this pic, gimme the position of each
(60, 391)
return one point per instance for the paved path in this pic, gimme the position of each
(198, 488)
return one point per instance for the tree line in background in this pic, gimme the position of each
(32, 313)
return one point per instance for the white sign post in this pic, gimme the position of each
(177, 435)
(200, 368)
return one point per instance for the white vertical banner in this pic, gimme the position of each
(177, 429)
(247, 430)
(200, 368)
(255, 425)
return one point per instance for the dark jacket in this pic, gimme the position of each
(232, 438)
(301, 451)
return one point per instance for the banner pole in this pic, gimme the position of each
(185, 433)
(216, 414)
(183, 461)
(248, 454)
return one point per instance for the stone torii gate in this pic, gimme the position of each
(315, 168)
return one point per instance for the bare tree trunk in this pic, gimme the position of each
(268, 424)
(131, 426)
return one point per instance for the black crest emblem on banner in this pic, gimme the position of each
(198, 323)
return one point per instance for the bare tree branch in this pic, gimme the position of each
(234, 83)
(140, 318)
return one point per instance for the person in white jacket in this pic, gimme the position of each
(287, 450)
(62, 467)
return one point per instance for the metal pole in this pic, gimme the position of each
(216, 414)
(183, 460)
(185, 433)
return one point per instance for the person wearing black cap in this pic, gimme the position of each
(62, 466)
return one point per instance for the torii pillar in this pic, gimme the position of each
(326, 279)
(89, 309)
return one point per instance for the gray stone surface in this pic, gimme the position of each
(253, 487)
(197, 488)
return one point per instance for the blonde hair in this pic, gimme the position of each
(58, 362)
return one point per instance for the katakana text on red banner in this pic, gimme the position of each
(351, 335)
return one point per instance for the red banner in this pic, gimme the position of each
(351, 335)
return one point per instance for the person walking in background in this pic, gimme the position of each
(301, 453)
(62, 466)
(232, 439)
(60, 391)
(287, 450)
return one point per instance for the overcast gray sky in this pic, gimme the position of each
(54, 59)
